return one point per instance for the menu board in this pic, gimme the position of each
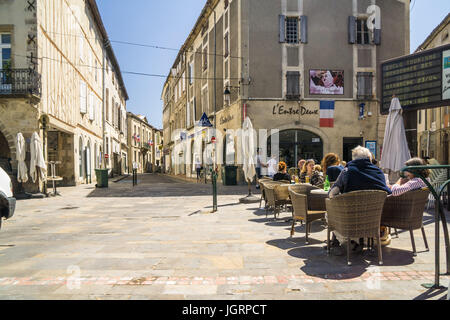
(421, 80)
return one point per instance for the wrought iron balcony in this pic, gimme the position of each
(20, 83)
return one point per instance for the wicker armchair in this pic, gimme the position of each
(406, 212)
(314, 203)
(262, 184)
(301, 212)
(275, 198)
(356, 215)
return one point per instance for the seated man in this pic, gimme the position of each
(360, 174)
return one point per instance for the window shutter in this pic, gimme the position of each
(293, 86)
(82, 97)
(91, 106)
(377, 36)
(364, 81)
(304, 29)
(352, 29)
(282, 20)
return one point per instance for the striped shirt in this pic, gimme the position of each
(413, 184)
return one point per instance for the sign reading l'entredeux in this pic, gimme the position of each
(417, 80)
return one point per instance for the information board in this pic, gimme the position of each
(420, 80)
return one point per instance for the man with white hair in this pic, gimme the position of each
(360, 174)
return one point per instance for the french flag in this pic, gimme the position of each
(327, 114)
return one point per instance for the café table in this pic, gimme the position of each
(318, 197)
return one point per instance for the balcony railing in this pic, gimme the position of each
(19, 82)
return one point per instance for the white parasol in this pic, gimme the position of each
(249, 154)
(37, 158)
(395, 147)
(248, 149)
(21, 153)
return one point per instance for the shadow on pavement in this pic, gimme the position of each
(431, 293)
(319, 264)
(158, 185)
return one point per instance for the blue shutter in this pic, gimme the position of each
(304, 29)
(282, 20)
(352, 29)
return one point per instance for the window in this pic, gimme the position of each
(205, 58)
(107, 104)
(420, 116)
(113, 104)
(184, 81)
(91, 106)
(5, 58)
(293, 85)
(81, 48)
(5, 51)
(205, 100)
(226, 45)
(362, 32)
(292, 29)
(191, 72)
(83, 97)
(364, 82)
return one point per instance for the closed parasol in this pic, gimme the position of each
(37, 158)
(22, 175)
(395, 146)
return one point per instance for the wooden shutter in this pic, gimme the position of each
(304, 29)
(282, 21)
(352, 29)
(82, 97)
(293, 84)
(91, 106)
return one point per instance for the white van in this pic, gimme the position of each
(7, 201)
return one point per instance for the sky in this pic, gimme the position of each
(167, 23)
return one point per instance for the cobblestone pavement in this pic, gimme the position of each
(159, 240)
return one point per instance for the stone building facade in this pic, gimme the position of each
(144, 145)
(285, 64)
(433, 125)
(55, 56)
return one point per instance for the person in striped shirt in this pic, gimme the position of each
(411, 182)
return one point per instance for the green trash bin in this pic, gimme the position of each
(102, 178)
(229, 175)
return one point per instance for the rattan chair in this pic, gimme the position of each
(356, 215)
(314, 203)
(301, 212)
(406, 212)
(261, 186)
(281, 198)
(273, 203)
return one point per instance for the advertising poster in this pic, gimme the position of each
(446, 75)
(372, 146)
(326, 82)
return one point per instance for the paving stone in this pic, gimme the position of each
(154, 242)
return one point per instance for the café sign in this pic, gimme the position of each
(420, 80)
(280, 109)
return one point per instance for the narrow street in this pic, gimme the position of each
(159, 241)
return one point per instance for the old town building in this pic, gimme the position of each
(310, 70)
(115, 116)
(53, 63)
(144, 145)
(433, 125)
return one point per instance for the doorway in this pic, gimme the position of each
(296, 145)
(349, 145)
(5, 154)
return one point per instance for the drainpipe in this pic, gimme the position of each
(105, 43)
